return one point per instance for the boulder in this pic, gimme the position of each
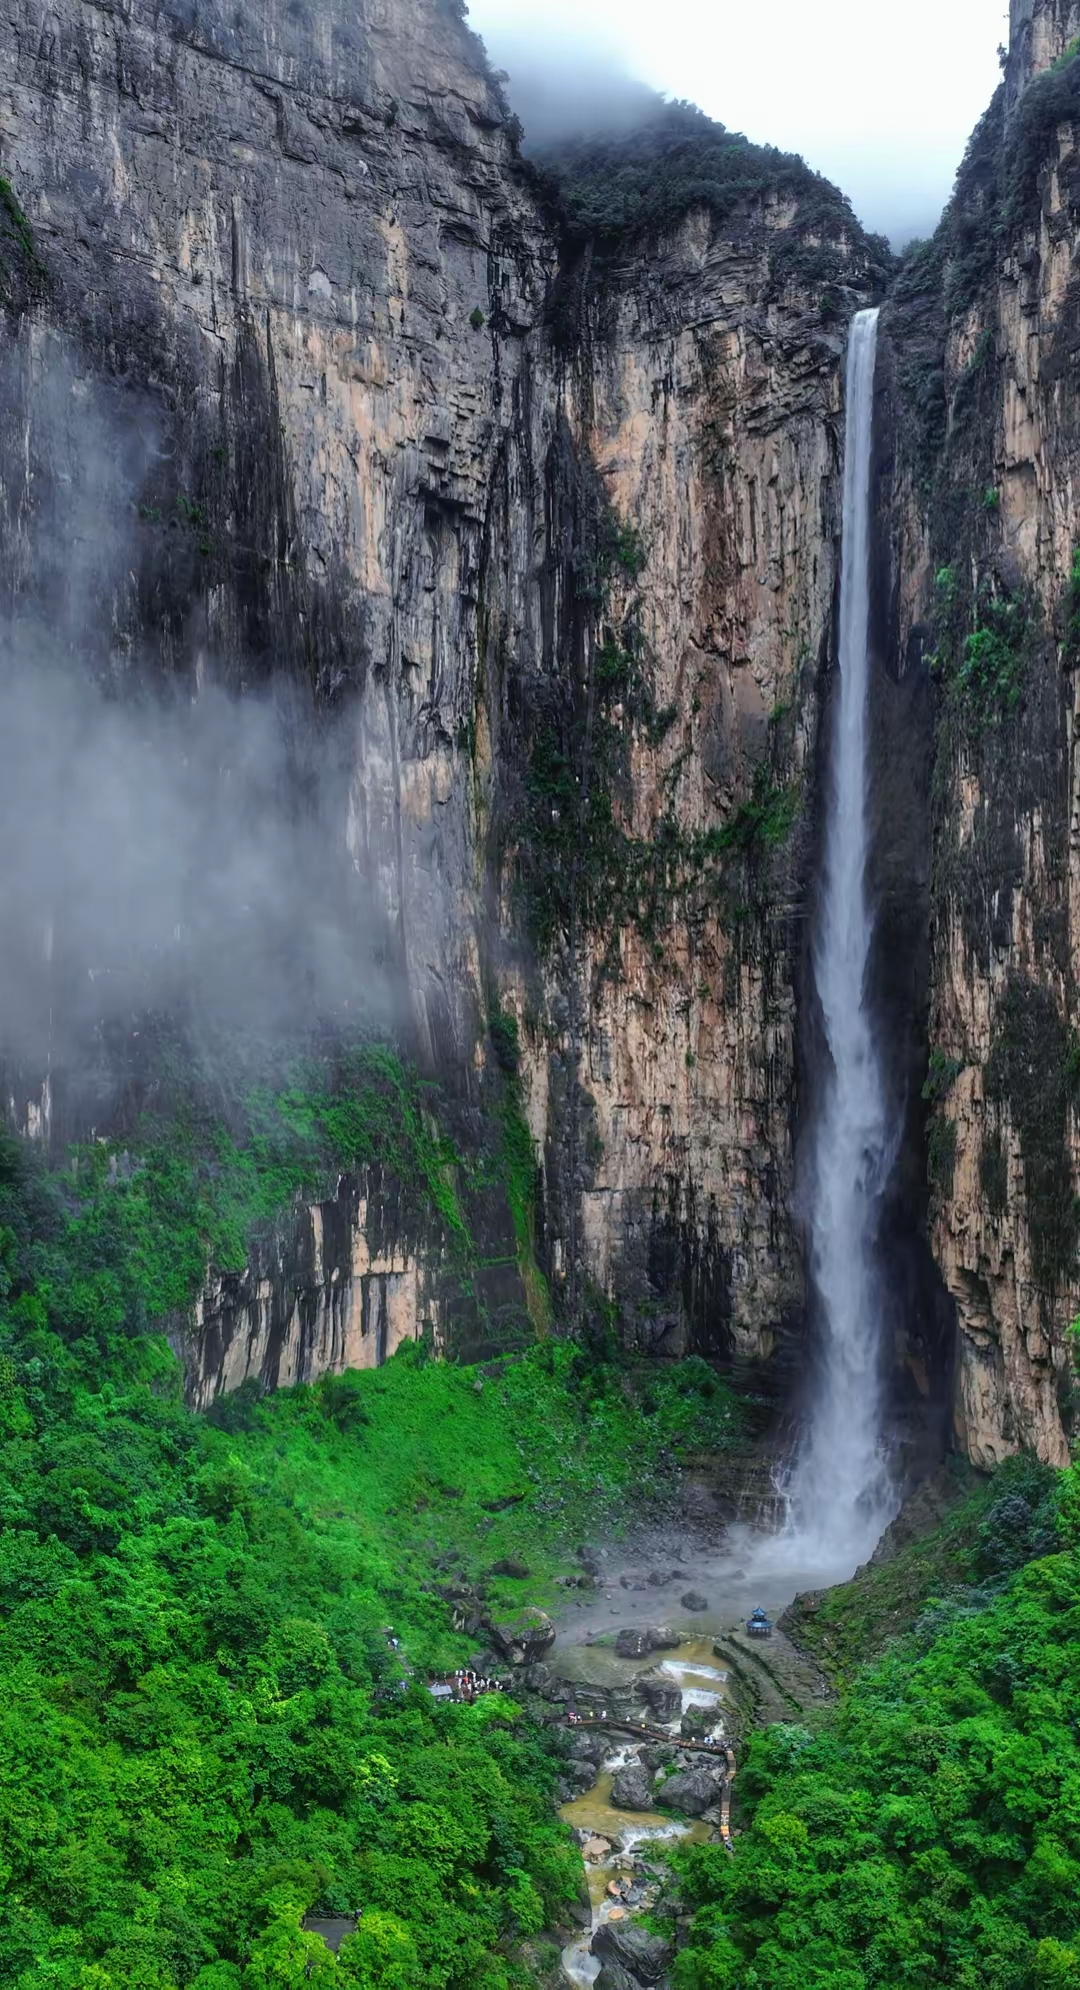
(662, 1697)
(633, 1644)
(694, 1600)
(693, 1791)
(662, 1639)
(588, 1748)
(596, 1849)
(632, 1788)
(656, 1755)
(538, 1678)
(637, 1953)
(581, 1774)
(524, 1638)
(510, 1566)
(697, 1722)
(614, 1977)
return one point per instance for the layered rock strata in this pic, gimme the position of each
(364, 414)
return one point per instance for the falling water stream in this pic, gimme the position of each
(840, 1494)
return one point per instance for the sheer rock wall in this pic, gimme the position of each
(986, 522)
(345, 380)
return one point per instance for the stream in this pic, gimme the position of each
(621, 1847)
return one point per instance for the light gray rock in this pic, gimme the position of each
(632, 1788)
(692, 1791)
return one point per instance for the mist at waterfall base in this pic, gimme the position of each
(838, 1493)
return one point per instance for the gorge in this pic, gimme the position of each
(538, 1009)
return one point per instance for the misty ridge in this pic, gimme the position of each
(561, 91)
(169, 846)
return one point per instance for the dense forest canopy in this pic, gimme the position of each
(618, 187)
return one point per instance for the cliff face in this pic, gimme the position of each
(533, 558)
(984, 325)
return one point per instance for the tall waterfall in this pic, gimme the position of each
(839, 1495)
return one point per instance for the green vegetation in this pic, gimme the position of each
(205, 1731)
(984, 667)
(942, 1074)
(1070, 654)
(1050, 101)
(128, 1235)
(580, 869)
(1031, 1074)
(22, 273)
(989, 1528)
(616, 188)
(941, 1156)
(920, 1833)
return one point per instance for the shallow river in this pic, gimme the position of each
(732, 1583)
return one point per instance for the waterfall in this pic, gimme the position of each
(839, 1495)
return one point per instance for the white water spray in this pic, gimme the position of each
(840, 1495)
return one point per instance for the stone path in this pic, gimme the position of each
(768, 1678)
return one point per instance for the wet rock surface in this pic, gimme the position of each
(631, 1948)
(692, 1791)
(631, 1788)
(614, 1977)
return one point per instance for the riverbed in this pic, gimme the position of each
(729, 1583)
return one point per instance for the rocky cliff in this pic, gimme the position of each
(986, 522)
(526, 540)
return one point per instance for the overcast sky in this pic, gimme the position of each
(880, 98)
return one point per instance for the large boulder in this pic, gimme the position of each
(632, 1788)
(581, 1775)
(697, 1722)
(633, 1644)
(663, 1639)
(693, 1791)
(614, 1977)
(662, 1697)
(525, 1638)
(657, 1754)
(640, 1955)
(588, 1748)
(694, 1600)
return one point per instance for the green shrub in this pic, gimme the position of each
(648, 180)
(1071, 645)
(918, 1834)
(207, 1730)
(1050, 101)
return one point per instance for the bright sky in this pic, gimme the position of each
(879, 97)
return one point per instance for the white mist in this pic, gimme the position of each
(840, 1495)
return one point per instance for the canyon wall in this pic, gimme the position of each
(531, 552)
(986, 520)
(508, 552)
